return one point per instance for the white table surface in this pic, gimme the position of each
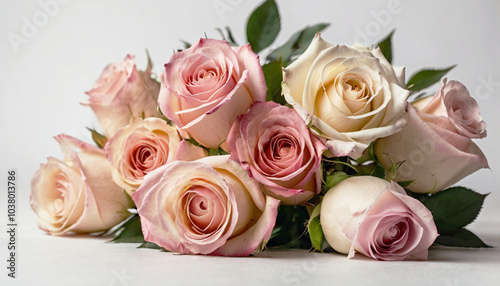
(46, 260)
(43, 80)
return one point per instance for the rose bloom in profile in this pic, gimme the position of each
(77, 195)
(376, 218)
(143, 146)
(206, 87)
(209, 206)
(121, 93)
(436, 146)
(275, 146)
(351, 95)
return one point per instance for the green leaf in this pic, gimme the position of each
(285, 51)
(150, 245)
(306, 37)
(335, 178)
(99, 139)
(290, 228)
(216, 152)
(386, 46)
(274, 76)
(404, 184)
(130, 231)
(263, 26)
(461, 238)
(378, 172)
(425, 78)
(454, 208)
(316, 234)
(149, 67)
(187, 44)
(230, 36)
(297, 44)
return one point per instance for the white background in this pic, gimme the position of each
(43, 80)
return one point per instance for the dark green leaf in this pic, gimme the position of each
(454, 208)
(421, 197)
(187, 45)
(285, 51)
(461, 238)
(290, 228)
(306, 37)
(274, 76)
(404, 184)
(231, 37)
(99, 139)
(378, 172)
(335, 178)
(425, 78)
(130, 231)
(297, 44)
(150, 245)
(263, 26)
(386, 46)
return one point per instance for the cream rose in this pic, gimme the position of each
(77, 195)
(206, 87)
(209, 206)
(350, 95)
(376, 218)
(143, 146)
(275, 146)
(436, 146)
(121, 93)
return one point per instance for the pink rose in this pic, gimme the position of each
(122, 93)
(143, 146)
(376, 218)
(209, 206)
(275, 146)
(454, 109)
(206, 87)
(78, 194)
(436, 146)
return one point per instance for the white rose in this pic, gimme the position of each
(350, 95)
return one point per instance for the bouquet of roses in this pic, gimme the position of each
(321, 146)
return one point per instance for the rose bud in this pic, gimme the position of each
(436, 146)
(376, 218)
(122, 93)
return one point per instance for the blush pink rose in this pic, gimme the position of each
(143, 146)
(206, 87)
(77, 195)
(376, 218)
(208, 206)
(436, 146)
(121, 93)
(274, 145)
